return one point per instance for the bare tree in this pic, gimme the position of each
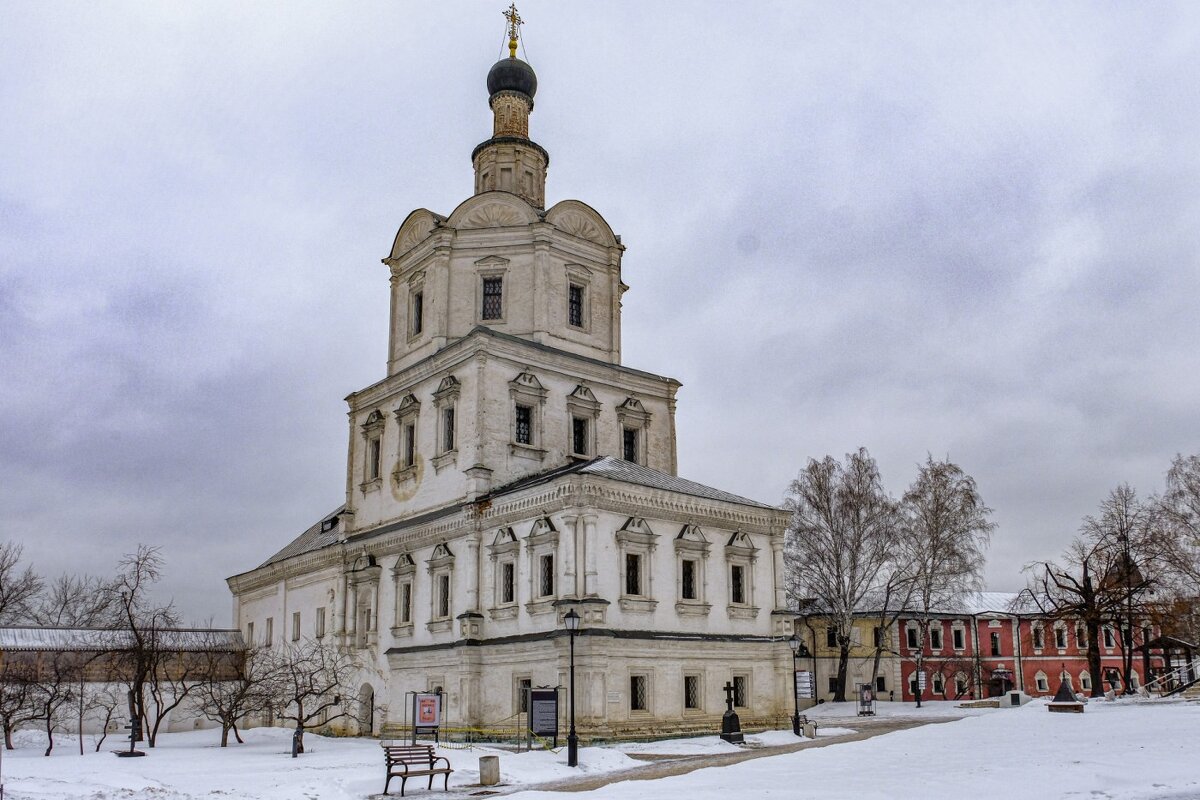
(18, 677)
(76, 601)
(312, 684)
(146, 623)
(841, 538)
(236, 685)
(53, 694)
(18, 588)
(945, 530)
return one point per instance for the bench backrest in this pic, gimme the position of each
(408, 752)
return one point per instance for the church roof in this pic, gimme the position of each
(621, 470)
(328, 530)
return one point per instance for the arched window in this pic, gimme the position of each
(1043, 684)
(1085, 681)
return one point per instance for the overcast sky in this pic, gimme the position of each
(965, 229)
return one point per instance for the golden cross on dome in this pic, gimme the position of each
(514, 28)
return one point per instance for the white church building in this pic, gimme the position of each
(509, 468)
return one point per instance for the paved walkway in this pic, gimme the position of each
(664, 766)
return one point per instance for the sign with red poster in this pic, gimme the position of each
(427, 712)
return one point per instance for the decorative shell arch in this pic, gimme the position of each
(580, 219)
(415, 229)
(492, 210)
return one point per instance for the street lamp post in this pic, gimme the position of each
(571, 620)
(795, 644)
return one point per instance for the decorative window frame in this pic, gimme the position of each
(692, 545)
(582, 403)
(958, 629)
(1060, 630)
(406, 414)
(372, 434)
(542, 540)
(939, 628)
(416, 286)
(632, 415)
(637, 538)
(748, 692)
(491, 267)
(363, 580)
(439, 564)
(446, 397)
(527, 390)
(648, 677)
(404, 573)
(1037, 630)
(1041, 682)
(740, 551)
(504, 549)
(581, 276)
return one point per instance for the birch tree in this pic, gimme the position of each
(945, 530)
(841, 538)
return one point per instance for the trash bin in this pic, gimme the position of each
(489, 770)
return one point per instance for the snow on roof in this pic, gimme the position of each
(64, 639)
(627, 471)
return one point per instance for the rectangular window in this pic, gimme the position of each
(1060, 638)
(410, 444)
(629, 442)
(320, 623)
(740, 695)
(418, 312)
(405, 603)
(443, 605)
(995, 643)
(448, 429)
(508, 582)
(250, 634)
(935, 638)
(689, 580)
(958, 638)
(1081, 636)
(737, 589)
(1038, 638)
(493, 298)
(579, 435)
(939, 687)
(876, 637)
(637, 693)
(911, 638)
(880, 683)
(373, 458)
(524, 432)
(269, 631)
(633, 573)
(295, 626)
(831, 637)
(833, 684)
(546, 575)
(575, 306)
(1108, 638)
(691, 692)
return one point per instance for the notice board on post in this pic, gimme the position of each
(427, 713)
(543, 713)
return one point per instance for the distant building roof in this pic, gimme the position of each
(327, 531)
(98, 639)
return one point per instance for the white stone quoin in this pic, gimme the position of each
(508, 469)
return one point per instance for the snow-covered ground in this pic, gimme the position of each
(1126, 750)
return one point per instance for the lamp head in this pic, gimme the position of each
(571, 620)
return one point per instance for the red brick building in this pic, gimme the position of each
(988, 649)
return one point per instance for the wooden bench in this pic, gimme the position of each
(406, 761)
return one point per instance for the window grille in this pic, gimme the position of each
(738, 584)
(575, 306)
(630, 442)
(507, 582)
(633, 574)
(739, 691)
(691, 691)
(637, 693)
(493, 298)
(410, 445)
(523, 688)
(524, 425)
(547, 576)
(448, 429)
(689, 580)
(443, 595)
(406, 603)
(579, 435)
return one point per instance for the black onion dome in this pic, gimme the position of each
(513, 75)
